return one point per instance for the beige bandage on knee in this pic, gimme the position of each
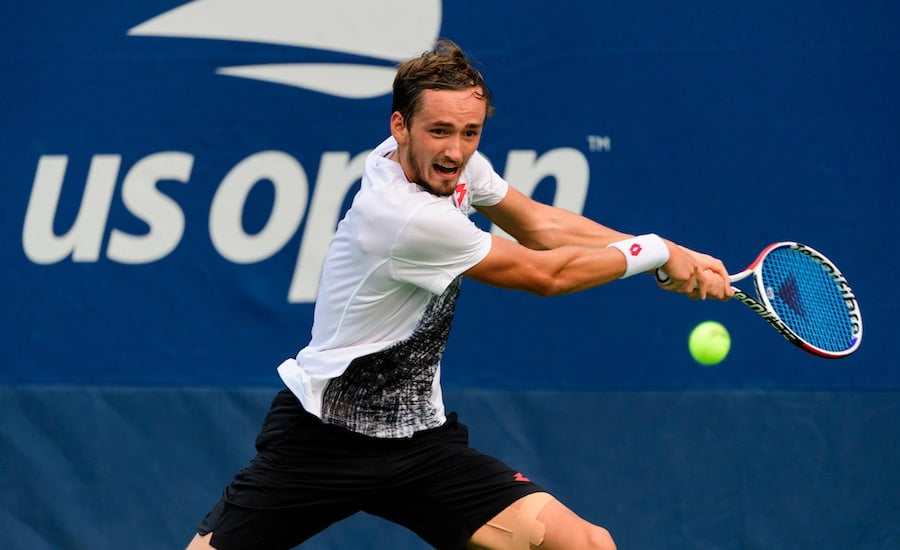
(518, 528)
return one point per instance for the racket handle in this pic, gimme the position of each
(663, 278)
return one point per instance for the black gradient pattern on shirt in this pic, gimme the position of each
(388, 393)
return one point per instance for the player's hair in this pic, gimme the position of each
(446, 67)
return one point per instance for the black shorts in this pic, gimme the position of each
(308, 474)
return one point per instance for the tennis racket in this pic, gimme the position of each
(802, 295)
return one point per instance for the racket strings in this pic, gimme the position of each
(807, 299)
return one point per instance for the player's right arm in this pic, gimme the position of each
(557, 271)
(572, 268)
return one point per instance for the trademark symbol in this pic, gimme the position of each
(599, 143)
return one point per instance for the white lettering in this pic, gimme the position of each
(291, 193)
(337, 174)
(524, 171)
(159, 211)
(85, 236)
(599, 143)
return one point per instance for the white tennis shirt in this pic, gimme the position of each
(386, 299)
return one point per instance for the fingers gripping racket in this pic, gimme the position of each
(804, 296)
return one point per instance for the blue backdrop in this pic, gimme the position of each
(173, 171)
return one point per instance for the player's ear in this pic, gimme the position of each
(399, 129)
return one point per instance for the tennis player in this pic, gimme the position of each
(361, 425)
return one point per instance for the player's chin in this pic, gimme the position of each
(442, 187)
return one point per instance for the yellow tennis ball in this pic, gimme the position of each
(709, 343)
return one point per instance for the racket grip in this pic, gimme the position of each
(662, 277)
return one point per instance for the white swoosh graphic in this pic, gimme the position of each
(338, 79)
(391, 30)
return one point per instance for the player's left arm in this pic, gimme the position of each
(541, 226)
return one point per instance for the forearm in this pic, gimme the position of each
(552, 272)
(563, 228)
(579, 268)
(543, 227)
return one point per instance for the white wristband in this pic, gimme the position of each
(642, 253)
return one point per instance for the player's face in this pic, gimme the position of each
(442, 136)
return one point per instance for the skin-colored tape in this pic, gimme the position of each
(519, 529)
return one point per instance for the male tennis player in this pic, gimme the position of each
(361, 425)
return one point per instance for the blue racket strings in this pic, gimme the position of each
(807, 299)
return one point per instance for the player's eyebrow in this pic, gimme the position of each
(451, 125)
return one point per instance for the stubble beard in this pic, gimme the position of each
(416, 177)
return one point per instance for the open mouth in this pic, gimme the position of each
(448, 170)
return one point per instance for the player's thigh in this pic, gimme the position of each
(540, 521)
(200, 542)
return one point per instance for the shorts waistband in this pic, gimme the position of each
(286, 397)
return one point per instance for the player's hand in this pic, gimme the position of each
(696, 275)
(716, 287)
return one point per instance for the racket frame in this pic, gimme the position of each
(763, 307)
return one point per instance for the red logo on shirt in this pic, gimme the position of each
(459, 194)
(520, 477)
(635, 249)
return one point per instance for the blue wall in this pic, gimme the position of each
(138, 467)
(163, 223)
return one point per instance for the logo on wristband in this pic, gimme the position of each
(635, 249)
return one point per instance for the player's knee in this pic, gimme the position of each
(599, 538)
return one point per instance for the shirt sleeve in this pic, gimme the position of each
(487, 187)
(437, 245)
